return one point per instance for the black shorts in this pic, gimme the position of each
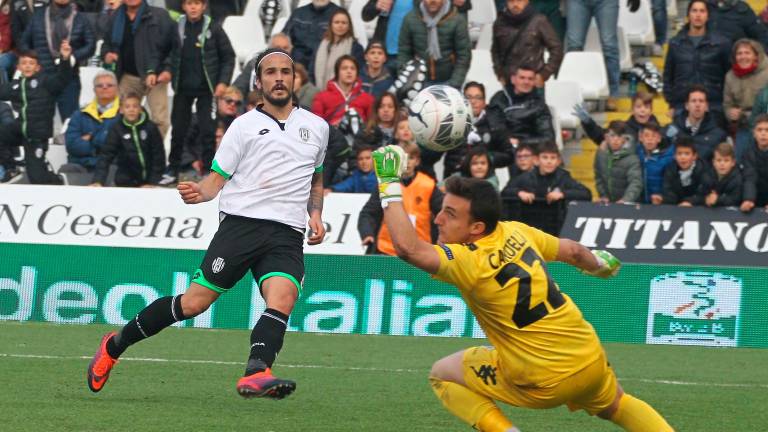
(265, 247)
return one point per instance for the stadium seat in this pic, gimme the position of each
(480, 70)
(57, 156)
(253, 8)
(485, 40)
(557, 126)
(561, 96)
(87, 74)
(279, 25)
(672, 8)
(482, 12)
(361, 27)
(625, 53)
(638, 25)
(246, 36)
(588, 70)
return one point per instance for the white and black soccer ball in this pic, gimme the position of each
(440, 118)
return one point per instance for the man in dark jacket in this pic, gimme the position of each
(520, 36)
(698, 123)
(696, 56)
(22, 13)
(518, 114)
(306, 26)
(204, 67)
(33, 96)
(755, 165)
(437, 33)
(735, 19)
(139, 49)
(56, 24)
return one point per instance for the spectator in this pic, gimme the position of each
(682, 179)
(520, 36)
(6, 115)
(655, 154)
(755, 165)
(403, 132)
(221, 9)
(204, 69)
(437, 33)
(736, 20)
(380, 127)
(477, 163)
(746, 78)
(199, 150)
(722, 186)
(606, 12)
(139, 49)
(548, 182)
(642, 113)
(421, 199)
(33, 95)
(57, 24)
(525, 160)
(134, 144)
(698, 123)
(338, 40)
(548, 8)
(21, 14)
(343, 93)
(306, 27)
(305, 91)
(104, 16)
(88, 128)
(618, 176)
(696, 56)
(659, 13)
(254, 99)
(244, 81)
(7, 58)
(362, 179)
(518, 114)
(375, 76)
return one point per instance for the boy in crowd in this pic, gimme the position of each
(525, 160)
(722, 186)
(682, 179)
(375, 76)
(549, 181)
(618, 175)
(362, 179)
(33, 95)
(655, 154)
(203, 69)
(755, 165)
(134, 143)
(642, 113)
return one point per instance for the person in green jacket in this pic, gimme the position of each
(618, 174)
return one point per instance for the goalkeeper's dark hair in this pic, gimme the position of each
(484, 201)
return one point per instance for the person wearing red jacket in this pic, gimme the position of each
(343, 92)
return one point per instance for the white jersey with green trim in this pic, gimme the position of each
(269, 165)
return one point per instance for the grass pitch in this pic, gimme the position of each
(185, 380)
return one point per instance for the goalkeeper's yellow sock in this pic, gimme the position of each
(635, 415)
(476, 410)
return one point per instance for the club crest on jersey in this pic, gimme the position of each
(218, 264)
(304, 134)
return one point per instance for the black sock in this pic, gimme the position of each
(158, 315)
(266, 340)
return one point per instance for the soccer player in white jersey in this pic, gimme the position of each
(269, 171)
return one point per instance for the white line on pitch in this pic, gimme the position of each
(353, 368)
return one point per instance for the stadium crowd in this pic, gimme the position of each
(715, 81)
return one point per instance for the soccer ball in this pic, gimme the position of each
(440, 118)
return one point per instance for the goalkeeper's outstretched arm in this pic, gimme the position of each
(596, 263)
(408, 246)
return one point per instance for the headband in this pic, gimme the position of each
(258, 65)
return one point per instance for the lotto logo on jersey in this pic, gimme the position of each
(694, 308)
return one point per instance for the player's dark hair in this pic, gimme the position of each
(342, 59)
(484, 201)
(267, 52)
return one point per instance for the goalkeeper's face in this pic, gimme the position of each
(455, 223)
(276, 80)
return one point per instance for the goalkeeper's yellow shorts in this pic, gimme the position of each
(592, 389)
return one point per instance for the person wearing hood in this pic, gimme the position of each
(655, 154)
(736, 20)
(343, 93)
(518, 114)
(306, 27)
(698, 123)
(696, 55)
(618, 173)
(521, 35)
(437, 33)
(746, 78)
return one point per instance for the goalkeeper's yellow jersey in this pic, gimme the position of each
(539, 333)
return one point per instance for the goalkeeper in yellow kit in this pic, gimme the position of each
(544, 352)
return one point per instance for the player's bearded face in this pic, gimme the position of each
(277, 80)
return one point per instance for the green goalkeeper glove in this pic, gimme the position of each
(609, 264)
(389, 163)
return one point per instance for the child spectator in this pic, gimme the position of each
(33, 95)
(682, 179)
(548, 182)
(362, 179)
(755, 165)
(476, 163)
(642, 113)
(203, 70)
(722, 186)
(375, 76)
(525, 160)
(618, 175)
(655, 154)
(135, 145)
